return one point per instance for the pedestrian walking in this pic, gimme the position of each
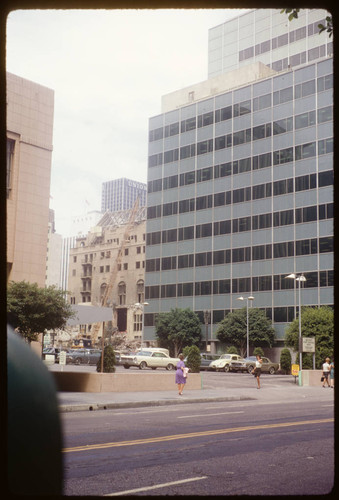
(179, 374)
(326, 372)
(332, 374)
(257, 370)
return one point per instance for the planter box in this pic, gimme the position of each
(121, 382)
(310, 377)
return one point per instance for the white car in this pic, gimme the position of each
(229, 362)
(149, 359)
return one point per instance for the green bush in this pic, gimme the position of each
(109, 360)
(232, 350)
(286, 361)
(193, 358)
(258, 350)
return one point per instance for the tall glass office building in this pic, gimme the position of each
(240, 185)
(120, 194)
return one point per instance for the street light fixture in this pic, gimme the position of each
(299, 278)
(207, 317)
(251, 298)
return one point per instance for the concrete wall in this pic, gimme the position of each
(121, 382)
(310, 377)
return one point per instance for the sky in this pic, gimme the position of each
(109, 70)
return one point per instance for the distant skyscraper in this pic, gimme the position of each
(120, 194)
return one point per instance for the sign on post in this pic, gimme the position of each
(62, 358)
(295, 372)
(308, 344)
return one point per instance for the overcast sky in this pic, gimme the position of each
(109, 69)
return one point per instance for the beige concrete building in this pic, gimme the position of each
(30, 111)
(93, 266)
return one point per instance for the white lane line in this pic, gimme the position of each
(212, 414)
(148, 488)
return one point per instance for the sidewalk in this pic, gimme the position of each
(84, 401)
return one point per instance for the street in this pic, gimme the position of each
(221, 448)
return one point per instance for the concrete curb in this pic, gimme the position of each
(63, 408)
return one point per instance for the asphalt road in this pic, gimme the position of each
(221, 448)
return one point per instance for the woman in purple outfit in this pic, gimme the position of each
(179, 374)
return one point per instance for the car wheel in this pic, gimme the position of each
(127, 367)
(77, 361)
(154, 367)
(170, 366)
(250, 369)
(143, 365)
(271, 370)
(226, 368)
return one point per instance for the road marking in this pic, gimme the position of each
(156, 486)
(211, 414)
(173, 437)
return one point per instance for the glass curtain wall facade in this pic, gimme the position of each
(240, 194)
(120, 194)
(267, 36)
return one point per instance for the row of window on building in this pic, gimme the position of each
(240, 195)
(268, 220)
(308, 246)
(277, 282)
(226, 141)
(280, 41)
(284, 314)
(281, 96)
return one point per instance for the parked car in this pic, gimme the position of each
(206, 359)
(266, 367)
(83, 356)
(149, 359)
(229, 362)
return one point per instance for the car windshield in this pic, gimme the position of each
(144, 353)
(225, 356)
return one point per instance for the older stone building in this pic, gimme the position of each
(112, 255)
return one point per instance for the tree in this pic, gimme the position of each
(109, 360)
(33, 310)
(318, 323)
(294, 14)
(233, 331)
(286, 360)
(193, 358)
(177, 329)
(258, 350)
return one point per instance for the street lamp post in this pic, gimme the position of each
(207, 316)
(298, 278)
(247, 328)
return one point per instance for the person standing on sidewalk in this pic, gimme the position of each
(332, 374)
(179, 374)
(257, 370)
(326, 372)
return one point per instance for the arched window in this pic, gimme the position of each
(122, 293)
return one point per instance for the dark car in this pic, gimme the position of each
(83, 356)
(266, 367)
(206, 360)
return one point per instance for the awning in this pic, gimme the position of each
(86, 314)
